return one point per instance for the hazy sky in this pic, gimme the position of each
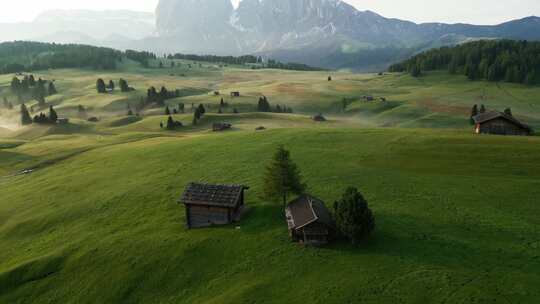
(450, 11)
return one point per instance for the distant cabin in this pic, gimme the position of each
(319, 118)
(221, 126)
(309, 221)
(500, 124)
(235, 94)
(210, 205)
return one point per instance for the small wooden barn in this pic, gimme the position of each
(221, 126)
(500, 124)
(309, 221)
(235, 94)
(209, 205)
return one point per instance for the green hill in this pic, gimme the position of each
(456, 220)
(89, 211)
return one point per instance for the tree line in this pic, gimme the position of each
(25, 56)
(492, 60)
(245, 60)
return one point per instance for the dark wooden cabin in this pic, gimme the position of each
(211, 205)
(309, 221)
(221, 126)
(235, 94)
(500, 124)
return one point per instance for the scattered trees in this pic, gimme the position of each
(282, 177)
(353, 217)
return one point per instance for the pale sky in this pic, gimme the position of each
(448, 11)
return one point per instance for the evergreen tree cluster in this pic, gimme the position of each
(264, 106)
(492, 60)
(141, 57)
(244, 60)
(21, 56)
(153, 96)
(28, 87)
(173, 124)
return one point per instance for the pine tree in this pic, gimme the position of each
(100, 86)
(181, 108)
(26, 119)
(353, 217)
(201, 109)
(124, 87)
(474, 112)
(196, 116)
(482, 109)
(53, 117)
(15, 85)
(111, 85)
(52, 89)
(31, 81)
(282, 177)
(170, 123)
(167, 110)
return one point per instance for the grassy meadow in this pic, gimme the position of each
(97, 221)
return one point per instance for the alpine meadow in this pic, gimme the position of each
(160, 170)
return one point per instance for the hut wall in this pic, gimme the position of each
(501, 126)
(203, 216)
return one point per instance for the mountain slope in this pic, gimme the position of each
(328, 30)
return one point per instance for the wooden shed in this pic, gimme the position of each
(221, 126)
(209, 205)
(309, 221)
(500, 124)
(235, 94)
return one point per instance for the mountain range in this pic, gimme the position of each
(325, 33)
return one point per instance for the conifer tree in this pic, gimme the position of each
(282, 177)
(52, 89)
(201, 109)
(100, 86)
(353, 217)
(53, 116)
(482, 109)
(26, 119)
(474, 112)
(111, 85)
(167, 110)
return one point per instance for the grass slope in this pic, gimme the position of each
(456, 220)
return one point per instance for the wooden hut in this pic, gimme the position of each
(210, 205)
(319, 117)
(309, 221)
(221, 126)
(500, 124)
(235, 94)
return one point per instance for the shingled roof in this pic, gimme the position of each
(485, 117)
(212, 195)
(307, 209)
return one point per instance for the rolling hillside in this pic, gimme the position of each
(96, 220)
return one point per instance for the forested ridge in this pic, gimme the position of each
(20, 56)
(492, 60)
